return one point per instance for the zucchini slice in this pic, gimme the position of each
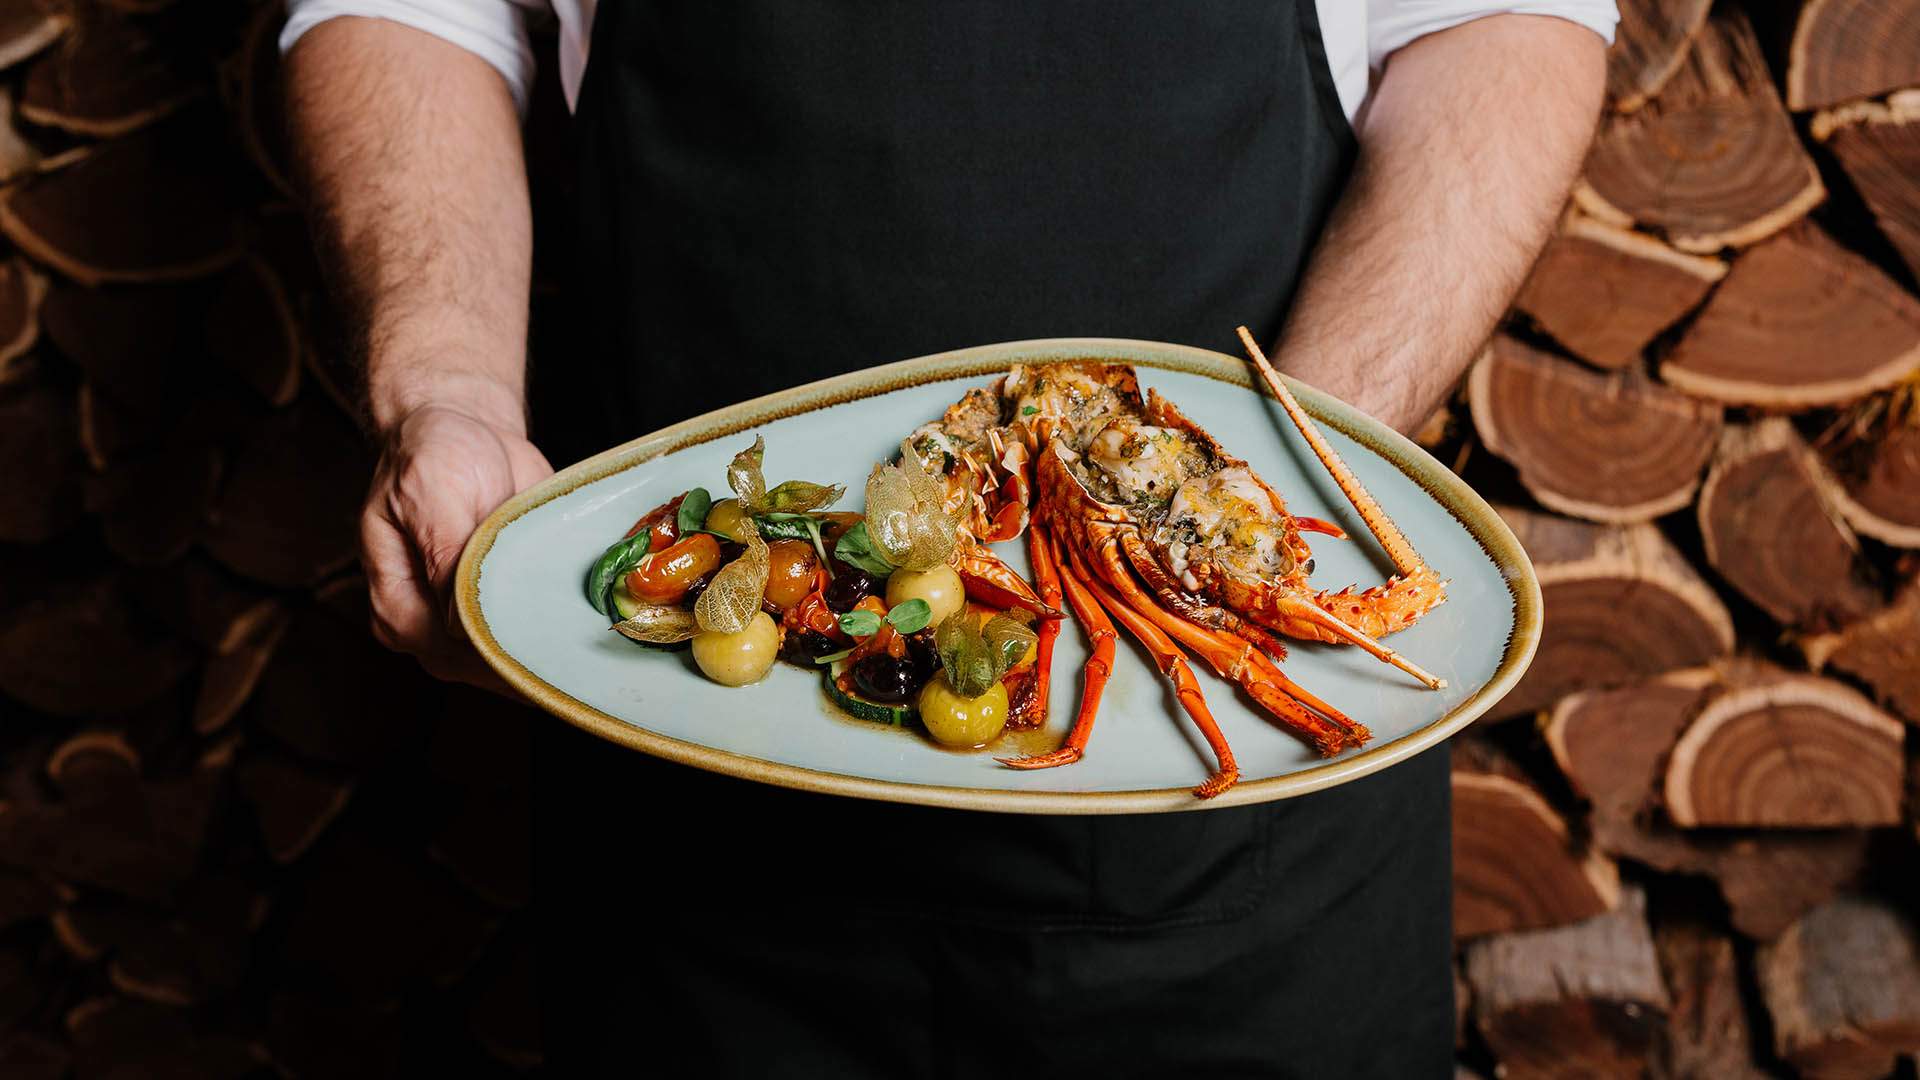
(860, 708)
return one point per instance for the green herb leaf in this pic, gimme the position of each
(911, 615)
(856, 548)
(617, 560)
(1029, 410)
(783, 526)
(693, 511)
(833, 656)
(859, 623)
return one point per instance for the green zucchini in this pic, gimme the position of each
(860, 708)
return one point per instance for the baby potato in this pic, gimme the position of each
(958, 721)
(742, 658)
(940, 587)
(724, 517)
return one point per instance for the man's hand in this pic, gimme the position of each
(410, 155)
(444, 468)
(1467, 149)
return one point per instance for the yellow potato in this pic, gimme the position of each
(940, 587)
(742, 658)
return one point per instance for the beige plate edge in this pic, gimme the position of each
(1450, 491)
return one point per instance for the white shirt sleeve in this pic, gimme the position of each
(1393, 23)
(493, 30)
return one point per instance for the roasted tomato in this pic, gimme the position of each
(664, 577)
(664, 521)
(790, 572)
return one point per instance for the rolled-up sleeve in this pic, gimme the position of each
(1393, 23)
(493, 30)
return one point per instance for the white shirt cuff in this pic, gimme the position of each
(493, 30)
(1394, 23)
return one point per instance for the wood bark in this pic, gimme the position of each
(1878, 144)
(1516, 865)
(1708, 1036)
(1799, 322)
(1579, 1000)
(1649, 44)
(1848, 49)
(1613, 448)
(1773, 530)
(1712, 162)
(1796, 751)
(1843, 988)
(1605, 292)
(1622, 604)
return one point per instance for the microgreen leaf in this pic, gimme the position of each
(693, 511)
(910, 615)
(860, 623)
(1029, 410)
(856, 548)
(621, 557)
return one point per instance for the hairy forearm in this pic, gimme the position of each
(409, 151)
(1467, 151)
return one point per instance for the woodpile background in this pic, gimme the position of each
(238, 839)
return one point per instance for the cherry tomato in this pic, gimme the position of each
(664, 521)
(664, 577)
(790, 572)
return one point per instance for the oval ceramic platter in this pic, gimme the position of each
(520, 599)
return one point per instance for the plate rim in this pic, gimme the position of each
(1466, 506)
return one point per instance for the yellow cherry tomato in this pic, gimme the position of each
(724, 517)
(953, 720)
(940, 587)
(742, 658)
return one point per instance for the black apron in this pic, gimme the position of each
(772, 193)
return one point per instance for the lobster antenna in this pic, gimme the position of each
(1405, 559)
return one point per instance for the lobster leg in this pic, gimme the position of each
(1173, 664)
(1235, 658)
(1099, 665)
(1188, 606)
(1046, 579)
(992, 581)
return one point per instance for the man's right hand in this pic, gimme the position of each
(445, 465)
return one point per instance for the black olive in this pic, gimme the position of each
(849, 585)
(923, 653)
(882, 678)
(813, 644)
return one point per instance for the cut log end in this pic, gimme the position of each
(1843, 988)
(1844, 50)
(1605, 292)
(1515, 863)
(1649, 45)
(1878, 144)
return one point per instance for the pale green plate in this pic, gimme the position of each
(520, 600)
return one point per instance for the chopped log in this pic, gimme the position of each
(55, 654)
(21, 291)
(1843, 988)
(1649, 45)
(114, 1036)
(19, 155)
(152, 206)
(1613, 745)
(20, 991)
(26, 27)
(1799, 751)
(333, 695)
(1772, 530)
(1769, 880)
(251, 330)
(1712, 162)
(1708, 1037)
(1580, 1000)
(106, 78)
(199, 600)
(1621, 603)
(253, 82)
(1882, 651)
(94, 766)
(228, 679)
(110, 430)
(1879, 480)
(1848, 49)
(1799, 322)
(153, 507)
(289, 512)
(1611, 448)
(26, 1056)
(40, 459)
(293, 803)
(1878, 144)
(1605, 292)
(141, 345)
(25, 897)
(1515, 863)
(324, 1034)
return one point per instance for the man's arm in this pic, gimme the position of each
(1467, 150)
(410, 154)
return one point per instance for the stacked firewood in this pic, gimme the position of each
(236, 836)
(1685, 845)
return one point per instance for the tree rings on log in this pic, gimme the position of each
(1515, 863)
(1649, 45)
(1579, 1000)
(292, 500)
(292, 803)
(1797, 751)
(1622, 604)
(1879, 484)
(1712, 162)
(228, 679)
(251, 329)
(1882, 651)
(1848, 49)
(1605, 292)
(41, 462)
(1612, 448)
(1879, 147)
(82, 653)
(1772, 530)
(1799, 322)
(106, 78)
(152, 206)
(153, 507)
(1842, 986)
(1612, 746)
(26, 27)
